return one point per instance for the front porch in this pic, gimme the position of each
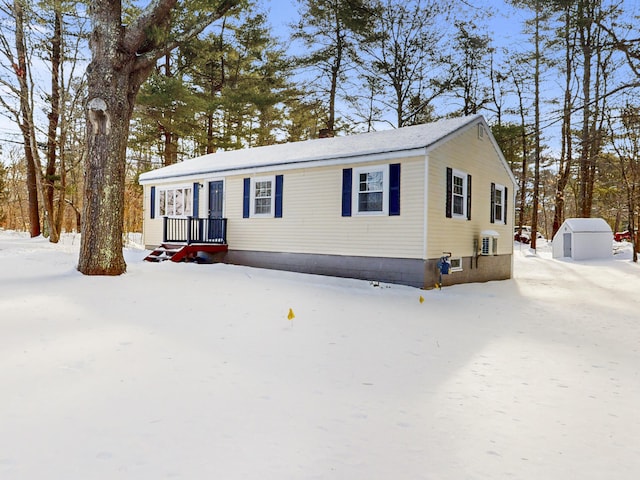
(183, 238)
(194, 230)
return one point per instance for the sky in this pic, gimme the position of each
(505, 27)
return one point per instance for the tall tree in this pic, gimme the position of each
(123, 56)
(4, 193)
(537, 36)
(250, 100)
(326, 28)
(469, 67)
(625, 140)
(402, 51)
(225, 90)
(519, 78)
(42, 34)
(567, 38)
(18, 97)
(168, 106)
(596, 67)
(55, 58)
(536, 26)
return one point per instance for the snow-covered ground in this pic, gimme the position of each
(195, 372)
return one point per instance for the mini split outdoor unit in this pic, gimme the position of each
(489, 242)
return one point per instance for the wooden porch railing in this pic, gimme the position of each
(194, 230)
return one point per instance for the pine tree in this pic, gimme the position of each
(327, 29)
(401, 50)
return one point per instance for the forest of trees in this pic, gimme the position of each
(560, 91)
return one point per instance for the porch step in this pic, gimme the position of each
(163, 252)
(178, 253)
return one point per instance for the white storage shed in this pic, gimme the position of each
(583, 239)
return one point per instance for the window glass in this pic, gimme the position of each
(162, 202)
(456, 264)
(179, 200)
(498, 203)
(188, 201)
(370, 192)
(458, 195)
(175, 202)
(262, 198)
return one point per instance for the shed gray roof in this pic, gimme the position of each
(360, 145)
(588, 225)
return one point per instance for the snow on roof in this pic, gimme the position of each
(588, 225)
(364, 144)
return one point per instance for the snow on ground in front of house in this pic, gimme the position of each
(194, 372)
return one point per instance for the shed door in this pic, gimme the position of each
(566, 244)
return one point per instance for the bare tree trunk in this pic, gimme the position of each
(214, 88)
(32, 187)
(26, 111)
(564, 168)
(26, 120)
(111, 96)
(122, 58)
(536, 171)
(335, 71)
(525, 155)
(54, 120)
(585, 141)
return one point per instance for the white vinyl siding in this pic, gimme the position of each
(466, 155)
(314, 223)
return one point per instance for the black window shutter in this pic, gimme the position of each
(468, 197)
(449, 192)
(394, 189)
(346, 192)
(152, 208)
(504, 209)
(279, 181)
(196, 200)
(246, 197)
(493, 204)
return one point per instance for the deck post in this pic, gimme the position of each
(164, 229)
(189, 220)
(201, 230)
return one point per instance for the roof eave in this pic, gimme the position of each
(284, 166)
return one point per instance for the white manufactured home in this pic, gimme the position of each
(383, 206)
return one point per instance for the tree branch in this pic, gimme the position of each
(625, 46)
(203, 20)
(155, 14)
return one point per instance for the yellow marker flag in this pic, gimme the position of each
(291, 316)
(421, 299)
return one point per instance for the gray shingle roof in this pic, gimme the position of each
(360, 145)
